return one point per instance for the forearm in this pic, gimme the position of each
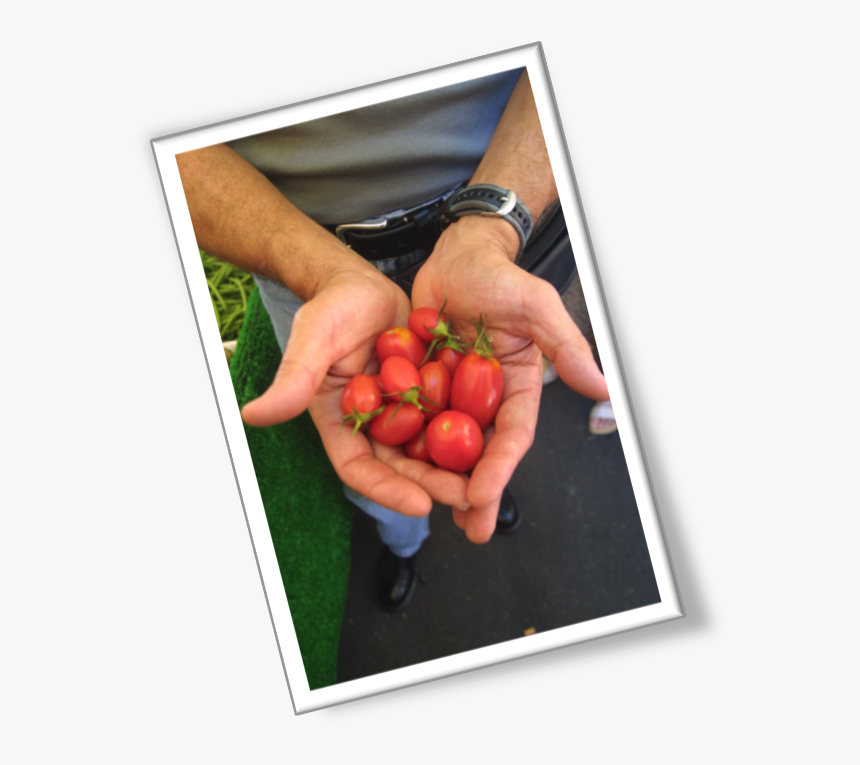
(240, 217)
(517, 159)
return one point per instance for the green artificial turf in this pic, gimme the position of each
(309, 518)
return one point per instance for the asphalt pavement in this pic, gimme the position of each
(579, 554)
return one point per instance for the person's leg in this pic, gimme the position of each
(281, 305)
(402, 534)
(395, 571)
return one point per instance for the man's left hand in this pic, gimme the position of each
(471, 267)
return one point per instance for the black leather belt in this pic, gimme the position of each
(397, 244)
(397, 241)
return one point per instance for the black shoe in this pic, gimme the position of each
(509, 515)
(395, 579)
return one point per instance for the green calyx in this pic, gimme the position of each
(483, 343)
(442, 336)
(359, 418)
(412, 396)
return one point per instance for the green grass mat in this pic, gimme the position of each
(309, 518)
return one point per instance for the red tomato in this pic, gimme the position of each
(477, 388)
(450, 358)
(361, 398)
(416, 449)
(405, 425)
(436, 385)
(398, 376)
(378, 379)
(455, 441)
(400, 341)
(361, 393)
(422, 320)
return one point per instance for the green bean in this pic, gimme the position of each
(229, 289)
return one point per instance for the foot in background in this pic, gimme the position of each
(509, 514)
(395, 579)
(601, 419)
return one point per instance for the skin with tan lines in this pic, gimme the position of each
(239, 216)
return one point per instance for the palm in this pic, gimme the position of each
(333, 339)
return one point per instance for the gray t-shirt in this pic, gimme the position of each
(389, 156)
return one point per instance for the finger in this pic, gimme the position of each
(561, 342)
(443, 486)
(514, 432)
(301, 372)
(355, 463)
(481, 522)
(380, 484)
(459, 518)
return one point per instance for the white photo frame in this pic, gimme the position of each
(165, 150)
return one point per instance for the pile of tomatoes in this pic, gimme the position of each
(437, 409)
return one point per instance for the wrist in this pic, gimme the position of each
(308, 263)
(490, 201)
(475, 230)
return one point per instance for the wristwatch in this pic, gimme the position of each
(490, 201)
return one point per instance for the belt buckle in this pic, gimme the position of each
(381, 222)
(375, 224)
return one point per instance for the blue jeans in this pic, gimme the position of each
(401, 533)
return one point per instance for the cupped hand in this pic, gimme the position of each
(333, 338)
(472, 268)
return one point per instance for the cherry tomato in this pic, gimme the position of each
(450, 358)
(416, 449)
(477, 388)
(378, 379)
(455, 441)
(405, 425)
(422, 320)
(361, 397)
(399, 375)
(400, 341)
(361, 393)
(436, 385)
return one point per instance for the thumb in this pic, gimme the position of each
(300, 374)
(561, 342)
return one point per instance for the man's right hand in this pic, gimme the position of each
(239, 216)
(333, 339)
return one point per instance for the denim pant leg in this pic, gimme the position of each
(401, 533)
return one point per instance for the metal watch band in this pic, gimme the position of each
(492, 201)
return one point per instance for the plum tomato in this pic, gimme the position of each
(398, 376)
(455, 441)
(362, 393)
(450, 358)
(422, 320)
(416, 449)
(360, 400)
(477, 388)
(397, 424)
(479, 381)
(400, 341)
(436, 388)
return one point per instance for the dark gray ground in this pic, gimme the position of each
(578, 555)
